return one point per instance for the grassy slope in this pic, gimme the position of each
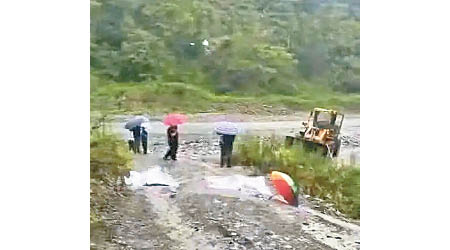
(316, 175)
(109, 160)
(182, 97)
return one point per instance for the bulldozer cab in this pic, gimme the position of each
(321, 130)
(322, 125)
(326, 119)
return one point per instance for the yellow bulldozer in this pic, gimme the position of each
(320, 132)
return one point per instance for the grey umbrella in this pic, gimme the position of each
(226, 128)
(136, 121)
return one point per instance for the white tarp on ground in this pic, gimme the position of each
(154, 175)
(247, 184)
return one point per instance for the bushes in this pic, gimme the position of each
(110, 160)
(109, 155)
(316, 175)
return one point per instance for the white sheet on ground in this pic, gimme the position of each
(247, 184)
(154, 175)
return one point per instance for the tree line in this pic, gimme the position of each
(240, 46)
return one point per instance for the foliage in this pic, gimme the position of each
(255, 46)
(110, 160)
(109, 155)
(316, 175)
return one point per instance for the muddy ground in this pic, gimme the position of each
(189, 216)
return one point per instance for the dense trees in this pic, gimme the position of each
(255, 46)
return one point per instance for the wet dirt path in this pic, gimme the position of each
(188, 217)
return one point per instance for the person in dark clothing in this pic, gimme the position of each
(144, 138)
(137, 138)
(131, 144)
(172, 139)
(226, 149)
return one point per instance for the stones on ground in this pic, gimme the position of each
(120, 242)
(222, 230)
(245, 241)
(268, 233)
(237, 225)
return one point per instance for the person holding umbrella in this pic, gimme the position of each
(144, 139)
(134, 125)
(137, 138)
(227, 132)
(173, 120)
(226, 149)
(172, 140)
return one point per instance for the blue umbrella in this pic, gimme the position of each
(226, 128)
(136, 121)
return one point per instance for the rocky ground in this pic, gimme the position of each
(189, 216)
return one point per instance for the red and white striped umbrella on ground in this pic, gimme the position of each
(285, 186)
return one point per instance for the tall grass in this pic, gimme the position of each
(110, 161)
(177, 96)
(109, 155)
(315, 175)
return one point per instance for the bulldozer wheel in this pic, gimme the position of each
(289, 141)
(337, 147)
(325, 150)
